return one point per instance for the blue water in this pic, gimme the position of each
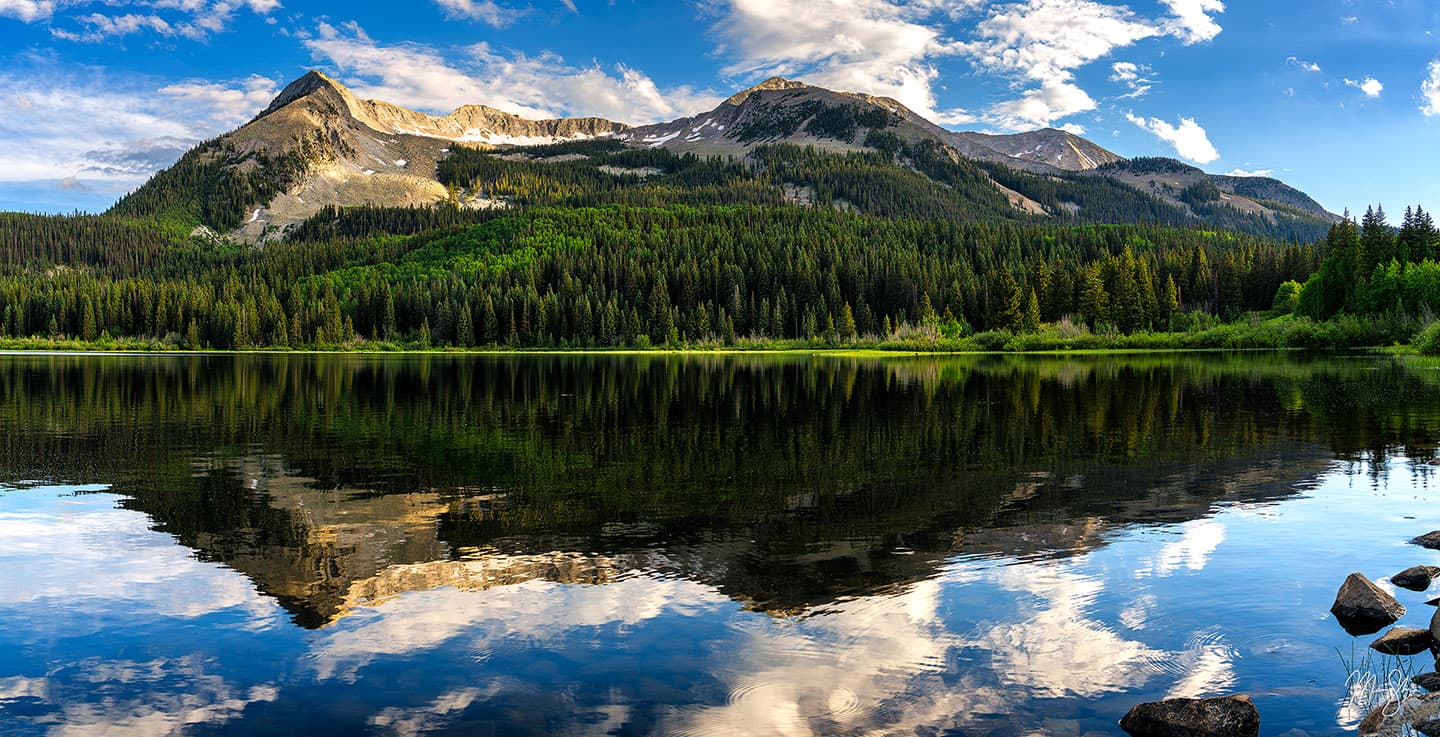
(334, 602)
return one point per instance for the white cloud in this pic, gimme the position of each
(228, 104)
(1189, 139)
(1308, 66)
(192, 19)
(486, 11)
(1430, 90)
(890, 47)
(1045, 41)
(1134, 76)
(1370, 86)
(28, 11)
(1042, 106)
(1238, 172)
(111, 133)
(873, 46)
(543, 86)
(1192, 22)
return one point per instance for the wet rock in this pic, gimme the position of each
(1429, 728)
(1428, 540)
(1377, 718)
(1404, 641)
(1231, 716)
(1416, 578)
(1428, 681)
(1363, 608)
(1435, 625)
(1392, 719)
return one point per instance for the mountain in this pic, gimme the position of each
(318, 147)
(1049, 147)
(1180, 183)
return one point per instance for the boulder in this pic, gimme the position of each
(1416, 578)
(1363, 608)
(1430, 728)
(1404, 641)
(1378, 718)
(1428, 681)
(1428, 540)
(1393, 719)
(1435, 625)
(1231, 716)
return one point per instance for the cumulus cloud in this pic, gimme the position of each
(1238, 172)
(1430, 90)
(1042, 106)
(1370, 86)
(543, 86)
(28, 11)
(1189, 139)
(1044, 42)
(874, 46)
(1308, 66)
(1192, 22)
(891, 48)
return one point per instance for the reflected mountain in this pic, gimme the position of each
(786, 483)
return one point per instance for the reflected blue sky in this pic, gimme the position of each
(115, 629)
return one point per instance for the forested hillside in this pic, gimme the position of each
(632, 276)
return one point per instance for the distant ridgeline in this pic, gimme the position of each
(790, 213)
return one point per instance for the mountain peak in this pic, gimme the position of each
(773, 83)
(313, 81)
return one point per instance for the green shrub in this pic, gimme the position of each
(1427, 341)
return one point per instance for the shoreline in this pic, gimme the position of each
(840, 352)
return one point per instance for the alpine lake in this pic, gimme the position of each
(790, 544)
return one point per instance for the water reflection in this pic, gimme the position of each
(703, 546)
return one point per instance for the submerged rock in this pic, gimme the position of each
(1417, 578)
(1363, 608)
(1404, 641)
(1428, 540)
(1231, 716)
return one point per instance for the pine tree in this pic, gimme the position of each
(848, 331)
(1094, 300)
(1031, 322)
(1010, 304)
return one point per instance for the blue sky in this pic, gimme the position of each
(1340, 98)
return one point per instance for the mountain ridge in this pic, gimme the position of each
(336, 150)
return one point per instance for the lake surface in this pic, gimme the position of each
(744, 545)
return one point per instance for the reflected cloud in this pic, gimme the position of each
(1198, 541)
(1056, 649)
(533, 612)
(161, 698)
(63, 550)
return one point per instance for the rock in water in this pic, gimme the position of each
(1232, 716)
(1417, 578)
(1428, 540)
(1404, 641)
(1428, 681)
(1362, 608)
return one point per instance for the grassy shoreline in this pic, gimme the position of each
(1256, 333)
(73, 347)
